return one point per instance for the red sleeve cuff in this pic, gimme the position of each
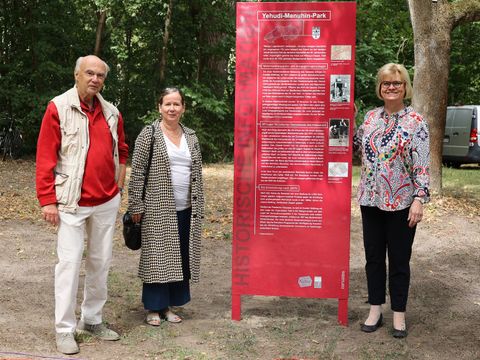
(47, 199)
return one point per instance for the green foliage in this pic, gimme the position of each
(213, 121)
(135, 40)
(40, 41)
(464, 84)
(380, 42)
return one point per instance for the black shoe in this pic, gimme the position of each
(372, 328)
(399, 334)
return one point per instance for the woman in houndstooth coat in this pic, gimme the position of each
(172, 211)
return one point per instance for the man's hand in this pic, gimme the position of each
(50, 214)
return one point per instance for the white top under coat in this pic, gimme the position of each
(181, 169)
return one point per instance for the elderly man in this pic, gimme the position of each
(81, 156)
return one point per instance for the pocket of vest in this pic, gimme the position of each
(61, 187)
(70, 139)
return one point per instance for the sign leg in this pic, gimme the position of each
(236, 307)
(343, 312)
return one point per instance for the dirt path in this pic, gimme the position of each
(443, 316)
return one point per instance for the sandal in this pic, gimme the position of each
(153, 318)
(171, 317)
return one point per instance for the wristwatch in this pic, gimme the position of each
(421, 199)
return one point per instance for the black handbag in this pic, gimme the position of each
(132, 232)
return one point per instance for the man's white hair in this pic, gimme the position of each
(79, 62)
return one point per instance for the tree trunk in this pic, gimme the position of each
(213, 60)
(102, 17)
(432, 37)
(212, 68)
(164, 52)
(125, 97)
(433, 23)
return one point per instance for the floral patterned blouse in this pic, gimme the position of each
(395, 159)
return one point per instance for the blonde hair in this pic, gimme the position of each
(393, 69)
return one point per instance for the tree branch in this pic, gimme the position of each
(465, 11)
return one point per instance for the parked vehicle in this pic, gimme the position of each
(461, 143)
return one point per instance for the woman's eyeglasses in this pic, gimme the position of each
(395, 84)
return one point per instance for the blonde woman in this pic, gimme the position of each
(394, 143)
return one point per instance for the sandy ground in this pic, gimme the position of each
(443, 313)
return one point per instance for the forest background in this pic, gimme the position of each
(150, 44)
(191, 43)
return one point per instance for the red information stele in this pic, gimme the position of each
(294, 114)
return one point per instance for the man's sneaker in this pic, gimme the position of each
(99, 330)
(66, 343)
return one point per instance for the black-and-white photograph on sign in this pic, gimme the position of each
(338, 132)
(339, 88)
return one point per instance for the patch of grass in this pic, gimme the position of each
(84, 338)
(304, 340)
(243, 342)
(124, 300)
(331, 344)
(374, 352)
(165, 348)
(239, 342)
(464, 181)
(161, 335)
(179, 353)
(122, 286)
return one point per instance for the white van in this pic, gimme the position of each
(461, 144)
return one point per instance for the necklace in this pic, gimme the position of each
(173, 135)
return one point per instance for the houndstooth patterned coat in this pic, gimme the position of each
(160, 259)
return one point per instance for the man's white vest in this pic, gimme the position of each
(74, 147)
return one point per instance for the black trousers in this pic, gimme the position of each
(387, 232)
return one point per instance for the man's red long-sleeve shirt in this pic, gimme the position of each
(99, 184)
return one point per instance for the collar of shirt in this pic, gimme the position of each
(93, 112)
(86, 108)
(396, 115)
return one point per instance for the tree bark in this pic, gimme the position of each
(164, 52)
(432, 24)
(212, 62)
(125, 97)
(102, 17)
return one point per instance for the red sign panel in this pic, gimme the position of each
(293, 129)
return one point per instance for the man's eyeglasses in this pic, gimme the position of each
(395, 84)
